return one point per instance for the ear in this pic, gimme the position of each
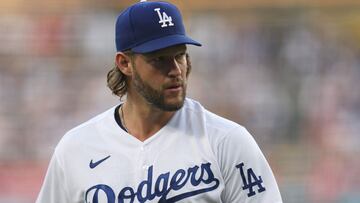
(123, 62)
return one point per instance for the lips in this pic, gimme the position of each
(174, 86)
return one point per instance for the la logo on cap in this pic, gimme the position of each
(164, 18)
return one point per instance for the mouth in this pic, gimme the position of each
(174, 87)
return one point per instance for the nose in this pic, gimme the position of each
(174, 68)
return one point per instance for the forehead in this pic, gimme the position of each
(169, 51)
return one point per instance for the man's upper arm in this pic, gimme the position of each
(53, 189)
(247, 175)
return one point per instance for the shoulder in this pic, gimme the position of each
(224, 136)
(87, 132)
(217, 127)
(87, 127)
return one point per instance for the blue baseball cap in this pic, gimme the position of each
(149, 26)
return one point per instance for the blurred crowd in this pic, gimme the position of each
(290, 76)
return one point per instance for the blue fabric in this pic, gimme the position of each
(140, 28)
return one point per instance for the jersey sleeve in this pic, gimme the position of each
(247, 175)
(53, 189)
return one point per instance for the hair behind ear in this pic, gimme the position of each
(116, 77)
(116, 81)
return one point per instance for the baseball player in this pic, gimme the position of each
(157, 145)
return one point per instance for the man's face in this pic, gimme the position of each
(161, 77)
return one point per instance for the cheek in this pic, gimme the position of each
(155, 79)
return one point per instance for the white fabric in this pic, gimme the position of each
(197, 157)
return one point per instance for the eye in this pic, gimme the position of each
(157, 59)
(180, 57)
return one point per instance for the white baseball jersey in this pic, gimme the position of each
(196, 157)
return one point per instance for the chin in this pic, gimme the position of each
(173, 104)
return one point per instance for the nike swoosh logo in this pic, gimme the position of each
(95, 164)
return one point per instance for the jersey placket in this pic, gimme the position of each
(143, 162)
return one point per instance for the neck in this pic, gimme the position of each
(142, 119)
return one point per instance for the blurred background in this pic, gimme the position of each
(289, 71)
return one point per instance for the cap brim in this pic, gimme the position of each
(163, 42)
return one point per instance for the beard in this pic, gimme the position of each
(157, 97)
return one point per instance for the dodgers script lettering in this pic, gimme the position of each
(199, 177)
